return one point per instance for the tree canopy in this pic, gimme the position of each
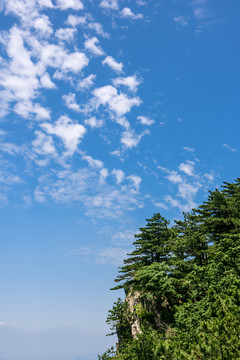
(188, 278)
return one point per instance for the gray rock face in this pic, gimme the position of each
(133, 299)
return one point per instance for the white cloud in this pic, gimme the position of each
(128, 14)
(92, 45)
(174, 177)
(19, 87)
(209, 176)
(70, 4)
(109, 4)
(52, 55)
(98, 28)
(43, 25)
(198, 2)
(56, 56)
(145, 120)
(188, 185)
(130, 139)
(116, 153)
(103, 175)
(46, 82)
(74, 20)
(43, 144)
(181, 20)
(187, 168)
(229, 147)
(119, 175)
(123, 122)
(186, 148)
(11, 148)
(130, 81)
(99, 198)
(141, 2)
(69, 132)
(201, 13)
(177, 204)
(93, 162)
(65, 34)
(9, 179)
(87, 22)
(75, 62)
(29, 14)
(67, 187)
(18, 77)
(87, 82)
(2, 132)
(120, 104)
(161, 205)
(2, 323)
(113, 64)
(20, 8)
(27, 109)
(112, 255)
(105, 94)
(136, 180)
(21, 60)
(123, 238)
(188, 191)
(45, 3)
(70, 101)
(93, 122)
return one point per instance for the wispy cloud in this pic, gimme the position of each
(93, 122)
(226, 146)
(187, 168)
(188, 185)
(202, 14)
(130, 139)
(110, 255)
(141, 2)
(109, 4)
(189, 149)
(119, 246)
(86, 187)
(181, 20)
(65, 34)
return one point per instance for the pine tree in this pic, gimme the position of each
(151, 245)
(189, 280)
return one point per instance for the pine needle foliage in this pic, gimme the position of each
(188, 277)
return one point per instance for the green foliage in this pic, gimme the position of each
(109, 354)
(188, 278)
(151, 245)
(119, 320)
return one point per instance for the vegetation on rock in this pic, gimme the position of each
(188, 280)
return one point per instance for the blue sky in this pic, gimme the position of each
(111, 110)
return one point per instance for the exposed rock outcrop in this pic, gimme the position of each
(133, 299)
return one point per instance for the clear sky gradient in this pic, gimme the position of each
(110, 110)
